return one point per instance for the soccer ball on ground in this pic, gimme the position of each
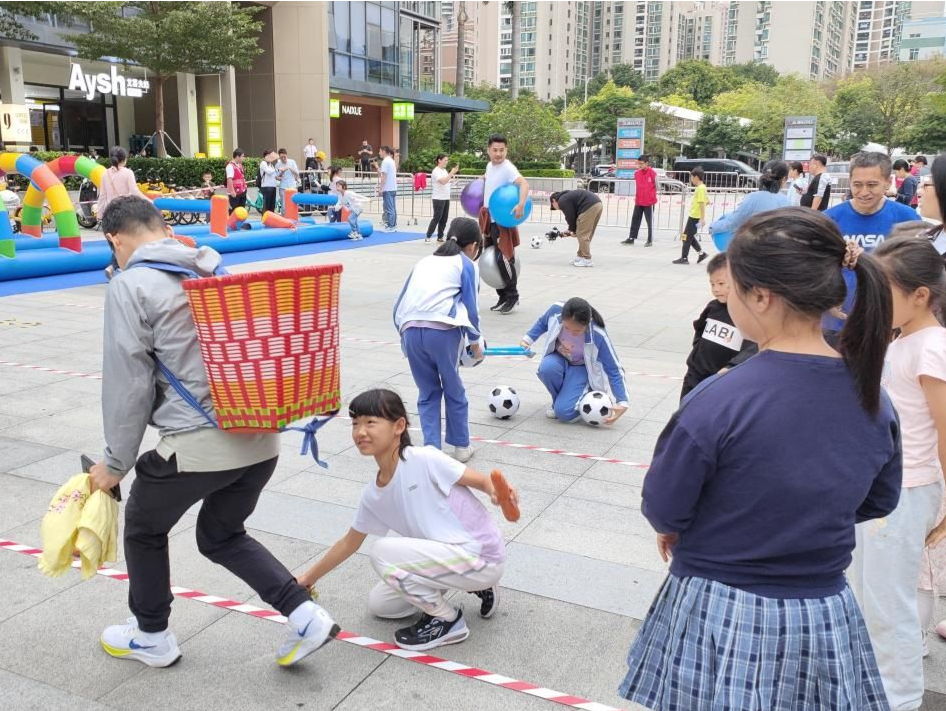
(503, 402)
(536, 242)
(595, 407)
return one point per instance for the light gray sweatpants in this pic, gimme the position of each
(884, 575)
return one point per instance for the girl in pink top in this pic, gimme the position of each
(891, 552)
(118, 181)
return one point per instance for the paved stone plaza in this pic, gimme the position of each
(582, 562)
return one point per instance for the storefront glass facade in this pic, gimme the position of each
(387, 43)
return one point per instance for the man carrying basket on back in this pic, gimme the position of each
(150, 335)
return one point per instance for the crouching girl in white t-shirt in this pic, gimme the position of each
(447, 539)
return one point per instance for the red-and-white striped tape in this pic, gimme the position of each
(44, 369)
(356, 639)
(484, 440)
(374, 341)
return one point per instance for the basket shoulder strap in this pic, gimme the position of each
(185, 394)
(177, 269)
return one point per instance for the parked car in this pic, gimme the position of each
(839, 172)
(720, 172)
(605, 180)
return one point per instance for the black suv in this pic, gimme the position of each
(720, 172)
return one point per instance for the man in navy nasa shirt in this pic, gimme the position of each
(866, 218)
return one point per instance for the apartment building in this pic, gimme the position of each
(923, 39)
(879, 28)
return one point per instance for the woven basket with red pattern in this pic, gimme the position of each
(270, 344)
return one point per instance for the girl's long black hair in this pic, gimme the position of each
(911, 262)
(385, 404)
(797, 253)
(462, 232)
(579, 310)
(773, 173)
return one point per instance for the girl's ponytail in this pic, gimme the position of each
(577, 309)
(867, 330)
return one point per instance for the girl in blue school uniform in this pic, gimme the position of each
(578, 357)
(437, 315)
(756, 484)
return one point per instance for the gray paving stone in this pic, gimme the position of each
(16, 452)
(69, 625)
(507, 644)
(25, 694)
(621, 589)
(22, 501)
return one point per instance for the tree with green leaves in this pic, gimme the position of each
(602, 110)
(899, 92)
(696, 79)
(169, 37)
(856, 115)
(532, 128)
(12, 27)
(755, 72)
(626, 75)
(717, 134)
(928, 132)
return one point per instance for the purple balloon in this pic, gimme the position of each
(471, 198)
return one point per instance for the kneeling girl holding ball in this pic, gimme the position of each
(578, 357)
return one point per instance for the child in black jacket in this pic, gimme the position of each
(717, 343)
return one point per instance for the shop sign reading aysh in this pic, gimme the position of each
(111, 83)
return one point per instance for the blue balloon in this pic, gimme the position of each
(722, 240)
(503, 201)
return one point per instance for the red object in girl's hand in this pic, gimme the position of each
(504, 494)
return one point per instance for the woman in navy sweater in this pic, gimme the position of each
(756, 484)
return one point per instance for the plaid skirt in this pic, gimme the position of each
(706, 646)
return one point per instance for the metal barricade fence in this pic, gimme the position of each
(674, 197)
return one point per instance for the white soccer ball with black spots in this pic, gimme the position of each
(595, 407)
(503, 402)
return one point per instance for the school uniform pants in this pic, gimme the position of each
(160, 495)
(389, 200)
(647, 212)
(269, 199)
(566, 384)
(585, 227)
(689, 237)
(439, 220)
(415, 573)
(884, 576)
(434, 357)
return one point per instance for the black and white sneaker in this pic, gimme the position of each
(489, 601)
(499, 304)
(429, 632)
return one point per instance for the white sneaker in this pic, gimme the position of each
(390, 229)
(300, 643)
(580, 262)
(550, 413)
(462, 454)
(120, 642)
(354, 235)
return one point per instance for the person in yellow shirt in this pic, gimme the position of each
(696, 218)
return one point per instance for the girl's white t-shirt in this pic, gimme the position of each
(440, 191)
(909, 357)
(423, 500)
(794, 196)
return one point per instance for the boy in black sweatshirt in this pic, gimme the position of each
(717, 343)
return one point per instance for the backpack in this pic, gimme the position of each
(259, 176)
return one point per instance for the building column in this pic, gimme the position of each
(12, 86)
(403, 146)
(187, 113)
(228, 106)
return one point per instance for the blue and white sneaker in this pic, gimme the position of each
(319, 631)
(126, 642)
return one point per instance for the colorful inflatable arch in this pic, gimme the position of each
(44, 180)
(61, 167)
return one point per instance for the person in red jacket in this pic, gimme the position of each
(644, 200)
